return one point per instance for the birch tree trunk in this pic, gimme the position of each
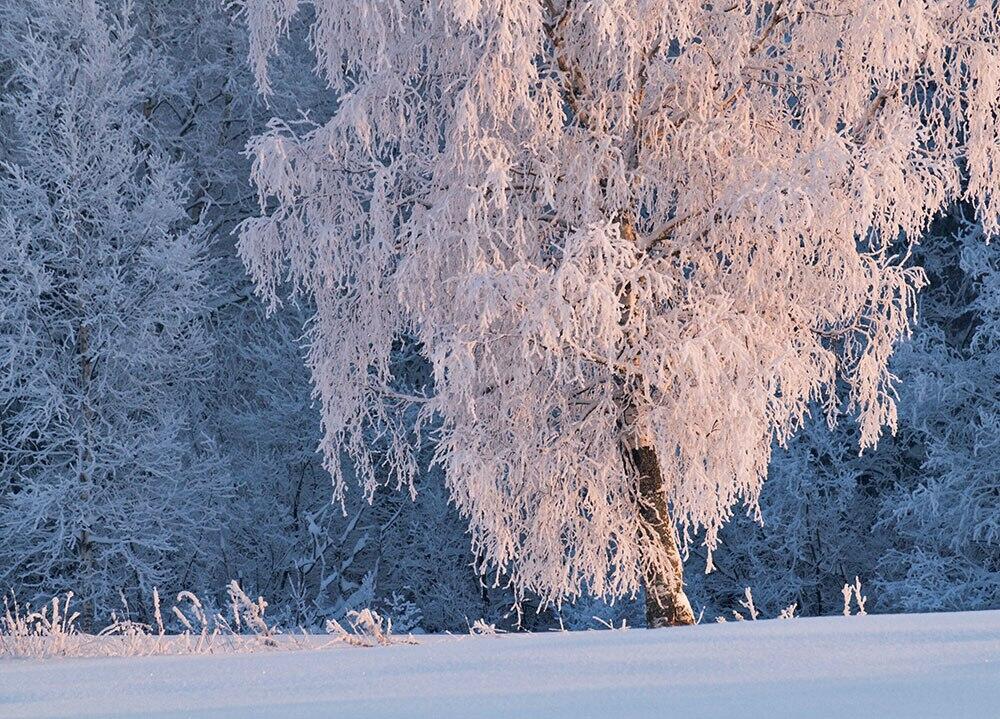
(666, 603)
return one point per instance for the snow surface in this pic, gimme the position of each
(930, 665)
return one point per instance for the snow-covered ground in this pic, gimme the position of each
(943, 665)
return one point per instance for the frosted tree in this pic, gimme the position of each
(280, 536)
(107, 483)
(916, 518)
(946, 517)
(816, 529)
(635, 240)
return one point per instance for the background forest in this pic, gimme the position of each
(157, 424)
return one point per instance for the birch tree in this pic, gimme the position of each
(637, 241)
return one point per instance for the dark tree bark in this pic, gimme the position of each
(666, 603)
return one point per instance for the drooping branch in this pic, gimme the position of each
(572, 81)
